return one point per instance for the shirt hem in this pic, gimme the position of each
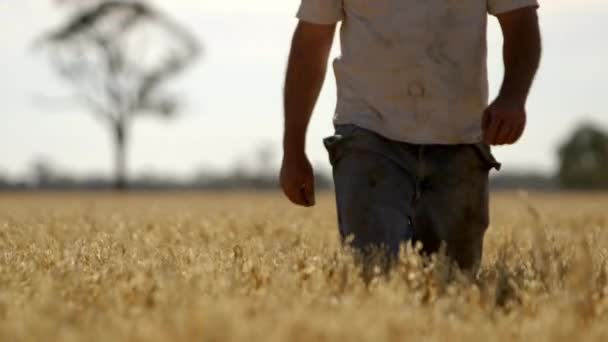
(514, 6)
(409, 139)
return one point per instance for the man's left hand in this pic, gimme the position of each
(504, 122)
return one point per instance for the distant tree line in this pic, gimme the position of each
(524, 181)
(583, 165)
(44, 176)
(584, 159)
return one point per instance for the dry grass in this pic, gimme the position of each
(252, 268)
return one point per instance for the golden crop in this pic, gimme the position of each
(226, 267)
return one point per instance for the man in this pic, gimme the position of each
(411, 152)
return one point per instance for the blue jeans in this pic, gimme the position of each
(390, 192)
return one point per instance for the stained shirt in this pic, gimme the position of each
(412, 70)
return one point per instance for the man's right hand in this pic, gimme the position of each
(297, 179)
(306, 70)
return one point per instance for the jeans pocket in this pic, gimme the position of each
(333, 143)
(485, 153)
(332, 146)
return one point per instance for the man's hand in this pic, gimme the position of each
(297, 179)
(504, 122)
(305, 75)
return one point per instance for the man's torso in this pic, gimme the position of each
(413, 70)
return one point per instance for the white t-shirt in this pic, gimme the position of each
(412, 70)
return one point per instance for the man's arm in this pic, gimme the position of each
(505, 120)
(306, 71)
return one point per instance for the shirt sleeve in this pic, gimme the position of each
(321, 11)
(496, 7)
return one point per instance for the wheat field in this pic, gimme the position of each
(250, 267)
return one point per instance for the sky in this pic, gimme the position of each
(233, 103)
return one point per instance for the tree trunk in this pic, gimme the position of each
(120, 153)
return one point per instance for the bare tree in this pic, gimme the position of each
(118, 55)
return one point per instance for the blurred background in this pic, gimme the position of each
(187, 94)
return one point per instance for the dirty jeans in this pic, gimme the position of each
(390, 192)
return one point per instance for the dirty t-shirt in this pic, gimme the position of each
(412, 70)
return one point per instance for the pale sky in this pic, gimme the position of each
(233, 95)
